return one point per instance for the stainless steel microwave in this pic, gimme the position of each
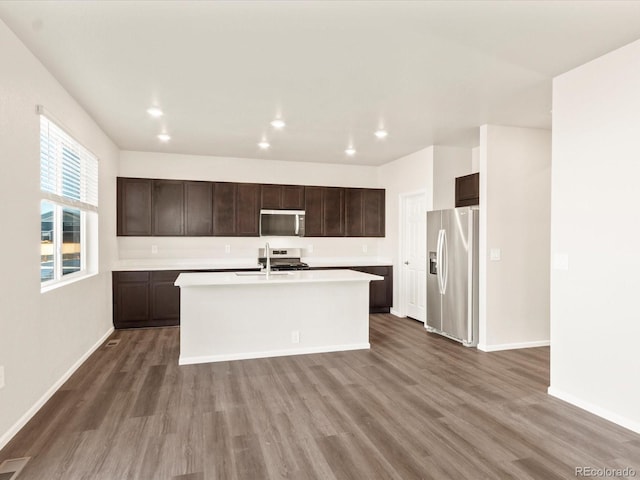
(282, 223)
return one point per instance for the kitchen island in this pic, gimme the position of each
(240, 315)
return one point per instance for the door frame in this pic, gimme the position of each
(402, 284)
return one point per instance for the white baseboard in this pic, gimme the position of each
(512, 346)
(625, 422)
(271, 353)
(22, 421)
(397, 313)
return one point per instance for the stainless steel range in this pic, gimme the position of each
(283, 259)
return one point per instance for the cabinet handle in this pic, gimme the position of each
(406, 262)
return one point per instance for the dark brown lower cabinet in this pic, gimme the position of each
(130, 299)
(147, 299)
(380, 291)
(165, 298)
(150, 299)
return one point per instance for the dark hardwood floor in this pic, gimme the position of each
(416, 406)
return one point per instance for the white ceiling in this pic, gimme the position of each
(429, 72)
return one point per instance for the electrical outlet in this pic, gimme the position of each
(295, 336)
(310, 248)
(495, 254)
(2, 377)
(154, 248)
(227, 249)
(365, 248)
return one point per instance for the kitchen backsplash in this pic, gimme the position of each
(148, 248)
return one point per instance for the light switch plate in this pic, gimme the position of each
(495, 254)
(365, 248)
(154, 248)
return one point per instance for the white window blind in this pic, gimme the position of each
(68, 171)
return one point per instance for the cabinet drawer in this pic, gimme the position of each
(165, 276)
(131, 276)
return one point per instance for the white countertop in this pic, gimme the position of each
(301, 276)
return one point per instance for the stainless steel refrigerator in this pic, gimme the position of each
(452, 274)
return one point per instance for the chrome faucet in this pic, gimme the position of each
(267, 254)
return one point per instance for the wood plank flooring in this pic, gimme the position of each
(416, 406)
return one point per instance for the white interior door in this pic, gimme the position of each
(413, 259)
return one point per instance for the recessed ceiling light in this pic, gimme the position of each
(264, 145)
(154, 112)
(381, 133)
(350, 151)
(163, 137)
(278, 123)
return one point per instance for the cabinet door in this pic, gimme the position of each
(271, 196)
(313, 206)
(130, 299)
(292, 197)
(168, 208)
(333, 212)
(134, 206)
(198, 199)
(248, 210)
(165, 299)
(468, 190)
(354, 206)
(380, 291)
(224, 209)
(373, 212)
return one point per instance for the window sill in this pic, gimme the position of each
(67, 281)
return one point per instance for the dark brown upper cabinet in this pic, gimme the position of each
(293, 197)
(354, 207)
(313, 212)
(468, 190)
(282, 197)
(224, 208)
(374, 212)
(198, 208)
(236, 209)
(134, 196)
(324, 208)
(333, 212)
(364, 212)
(148, 207)
(248, 210)
(168, 208)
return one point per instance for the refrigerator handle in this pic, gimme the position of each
(445, 262)
(439, 261)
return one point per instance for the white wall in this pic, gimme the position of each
(515, 166)
(448, 163)
(196, 167)
(595, 321)
(475, 159)
(412, 173)
(43, 335)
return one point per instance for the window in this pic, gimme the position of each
(69, 206)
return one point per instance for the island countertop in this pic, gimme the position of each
(257, 278)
